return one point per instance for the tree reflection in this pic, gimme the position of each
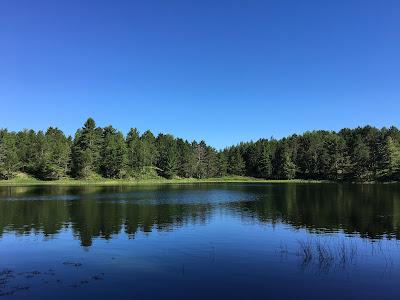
(373, 211)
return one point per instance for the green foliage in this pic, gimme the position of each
(135, 155)
(150, 153)
(9, 162)
(186, 159)
(55, 157)
(113, 153)
(360, 154)
(389, 168)
(167, 155)
(86, 150)
(285, 167)
(236, 164)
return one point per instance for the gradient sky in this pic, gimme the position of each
(223, 71)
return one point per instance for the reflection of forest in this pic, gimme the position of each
(370, 210)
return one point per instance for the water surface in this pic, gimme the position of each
(235, 241)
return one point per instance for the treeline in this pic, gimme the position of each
(361, 154)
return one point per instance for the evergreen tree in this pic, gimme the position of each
(86, 149)
(167, 155)
(9, 163)
(211, 162)
(150, 155)
(360, 159)
(55, 158)
(236, 164)
(264, 166)
(113, 153)
(284, 165)
(389, 165)
(186, 161)
(222, 164)
(26, 144)
(135, 156)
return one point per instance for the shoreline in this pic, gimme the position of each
(133, 182)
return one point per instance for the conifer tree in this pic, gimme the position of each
(264, 165)
(150, 155)
(55, 158)
(113, 153)
(222, 164)
(135, 155)
(86, 149)
(236, 164)
(389, 165)
(186, 162)
(167, 155)
(9, 163)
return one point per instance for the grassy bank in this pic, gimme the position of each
(102, 181)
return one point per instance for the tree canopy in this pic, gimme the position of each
(360, 154)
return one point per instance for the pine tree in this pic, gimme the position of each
(389, 163)
(150, 155)
(360, 160)
(200, 152)
(264, 166)
(25, 142)
(186, 161)
(56, 155)
(113, 153)
(236, 164)
(168, 155)
(86, 149)
(284, 166)
(9, 163)
(222, 164)
(135, 156)
(289, 168)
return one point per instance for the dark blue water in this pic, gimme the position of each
(215, 241)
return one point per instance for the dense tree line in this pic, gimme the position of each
(361, 154)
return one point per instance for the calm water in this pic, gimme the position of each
(234, 241)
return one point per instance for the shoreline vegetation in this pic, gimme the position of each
(25, 181)
(96, 154)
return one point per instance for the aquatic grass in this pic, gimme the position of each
(324, 255)
(306, 250)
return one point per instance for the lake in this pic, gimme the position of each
(200, 241)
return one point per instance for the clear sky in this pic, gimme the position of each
(223, 71)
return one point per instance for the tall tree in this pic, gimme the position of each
(236, 164)
(113, 153)
(389, 165)
(150, 155)
(9, 163)
(167, 155)
(26, 145)
(86, 149)
(360, 159)
(186, 159)
(55, 158)
(264, 165)
(285, 167)
(135, 155)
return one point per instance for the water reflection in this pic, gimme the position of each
(372, 211)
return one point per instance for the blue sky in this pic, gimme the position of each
(223, 71)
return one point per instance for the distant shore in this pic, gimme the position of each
(104, 181)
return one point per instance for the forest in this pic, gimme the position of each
(360, 154)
